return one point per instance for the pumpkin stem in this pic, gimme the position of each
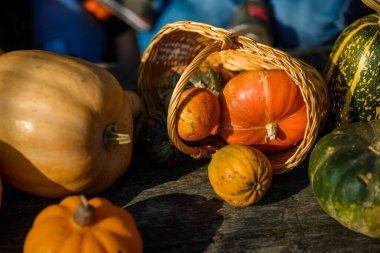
(271, 131)
(257, 186)
(112, 137)
(365, 178)
(375, 147)
(374, 5)
(85, 213)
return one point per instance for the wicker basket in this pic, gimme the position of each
(197, 44)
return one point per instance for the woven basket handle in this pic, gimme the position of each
(206, 150)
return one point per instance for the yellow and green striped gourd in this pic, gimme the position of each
(353, 70)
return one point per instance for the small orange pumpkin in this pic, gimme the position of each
(78, 225)
(263, 108)
(198, 114)
(240, 174)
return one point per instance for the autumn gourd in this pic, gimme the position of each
(138, 111)
(168, 80)
(239, 174)
(352, 71)
(198, 114)
(78, 225)
(263, 108)
(65, 126)
(154, 140)
(212, 78)
(344, 170)
(136, 103)
(166, 84)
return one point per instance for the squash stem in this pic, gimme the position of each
(374, 5)
(84, 214)
(375, 147)
(365, 178)
(257, 186)
(112, 137)
(271, 131)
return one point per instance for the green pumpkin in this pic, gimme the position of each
(154, 139)
(212, 78)
(352, 71)
(344, 172)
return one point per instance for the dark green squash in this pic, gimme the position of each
(344, 172)
(212, 78)
(154, 140)
(352, 71)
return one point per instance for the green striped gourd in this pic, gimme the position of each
(353, 70)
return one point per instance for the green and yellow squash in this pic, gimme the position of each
(353, 71)
(344, 172)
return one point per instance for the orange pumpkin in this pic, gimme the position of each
(240, 174)
(198, 114)
(263, 108)
(75, 225)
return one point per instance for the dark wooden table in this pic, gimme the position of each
(176, 210)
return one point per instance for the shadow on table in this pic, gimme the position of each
(177, 222)
(17, 213)
(288, 184)
(144, 174)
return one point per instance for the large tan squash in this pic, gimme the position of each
(64, 124)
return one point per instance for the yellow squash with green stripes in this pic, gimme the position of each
(353, 70)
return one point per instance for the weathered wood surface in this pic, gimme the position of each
(176, 210)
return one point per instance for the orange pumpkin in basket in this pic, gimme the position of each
(198, 114)
(78, 225)
(263, 108)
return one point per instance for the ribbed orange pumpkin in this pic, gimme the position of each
(198, 114)
(240, 174)
(75, 225)
(263, 108)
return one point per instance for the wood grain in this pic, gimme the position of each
(176, 210)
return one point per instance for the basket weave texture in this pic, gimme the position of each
(197, 44)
